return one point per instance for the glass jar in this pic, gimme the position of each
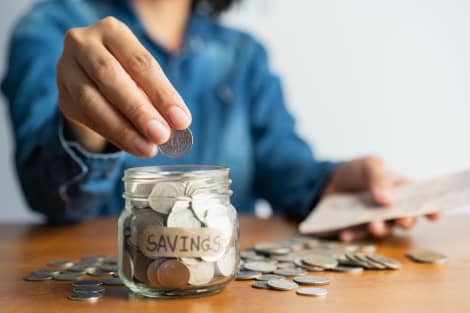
(178, 234)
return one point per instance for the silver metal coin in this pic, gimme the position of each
(427, 256)
(314, 292)
(88, 289)
(46, 272)
(312, 280)
(88, 282)
(61, 263)
(35, 277)
(113, 281)
(178, 145)
(282, 284)
(90, 297)
(68, 276)
(260, 284)
(289, 272)
(99, 272)
(267, 277)
(388, 262)
(320, 260)
(259, 266)
(247, 275)
(347, 269)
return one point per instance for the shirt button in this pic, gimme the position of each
(195, 43)
(225, 94)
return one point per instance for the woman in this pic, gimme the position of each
(128, 72)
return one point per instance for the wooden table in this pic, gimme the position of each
(414, 288)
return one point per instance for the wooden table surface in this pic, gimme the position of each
(415, 288)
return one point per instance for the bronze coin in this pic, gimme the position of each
(151, 272)
(173, 274)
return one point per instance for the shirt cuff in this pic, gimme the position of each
(326, 170)
(93, 166)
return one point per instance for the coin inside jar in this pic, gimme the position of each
(152, 273)
(172, 274)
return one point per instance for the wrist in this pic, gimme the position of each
(90, 140)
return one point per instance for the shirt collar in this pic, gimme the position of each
(197, 29)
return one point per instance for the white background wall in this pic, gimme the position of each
(390, 78)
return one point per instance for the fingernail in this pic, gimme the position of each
(378, 227)
(346, 236)
(144, 147)
(157, 131)
(385, 195)
(178, 117)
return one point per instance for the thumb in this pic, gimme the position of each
(380, 182)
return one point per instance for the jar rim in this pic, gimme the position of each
(174, 169)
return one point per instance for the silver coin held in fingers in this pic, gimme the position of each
(178, 145)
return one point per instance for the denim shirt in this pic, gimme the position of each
(239, 114)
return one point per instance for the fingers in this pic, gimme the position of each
(406, 222)
(99, 115)
(353, 234)
(434, 216)
(379, 229)
(121, 91)
(144, 69)
(380, 181)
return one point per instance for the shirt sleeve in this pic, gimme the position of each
(59, 178)
(287, 173)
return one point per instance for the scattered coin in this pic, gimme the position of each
(88, 289)
(61, 263)
(99, 272)
(260, 284)
(299, 263)
(90, 297)
(178, 145)
(367, 248)
(282, 284)
(347, 269)
(320, 260)
(267, 277)
(68, 276)
(259, 266)
(312, 280)
(35, 277)
(113, 281)
(46, 272)
(427, 256)
(289, 272)
(387, 262)
(248, 275)
(310, 291)
(271, 248)
(88, 282)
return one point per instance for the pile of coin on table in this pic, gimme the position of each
(90, 266)
(271, 264)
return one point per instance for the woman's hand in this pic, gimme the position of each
(369, 174)
(112, 89)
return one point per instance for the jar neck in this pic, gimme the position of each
(183, 181)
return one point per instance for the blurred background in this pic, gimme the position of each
(390, 78)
